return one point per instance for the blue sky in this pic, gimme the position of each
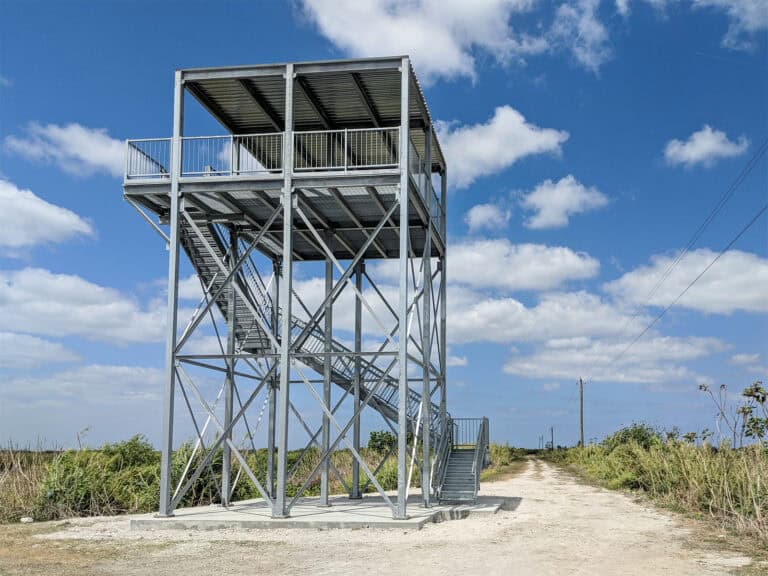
(586, 143)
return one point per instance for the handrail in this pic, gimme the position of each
(440, 461)
(481, 446)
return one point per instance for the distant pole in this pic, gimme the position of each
(581, 411)
(552, 436)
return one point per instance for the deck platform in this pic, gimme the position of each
(369, 512)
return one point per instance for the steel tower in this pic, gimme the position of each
(325, 166)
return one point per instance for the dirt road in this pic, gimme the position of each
(559, 527)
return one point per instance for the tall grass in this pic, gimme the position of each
(125, 478)
(729, 485)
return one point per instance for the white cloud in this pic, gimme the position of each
(93, 383)
(189, 288)
(741, 359)
(746, 18)
(27, 219)
(443, 37)
(456, 360)
(475, 317)
(706, 147)
(656, 359)
(499, 264)
(489, 216)
(551, 386)
(25, 351)
(736, 282)
(554, 202)
(74, 148)
(578, 28)
(42, 302)
(478, 150)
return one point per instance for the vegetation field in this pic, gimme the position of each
(727, 485)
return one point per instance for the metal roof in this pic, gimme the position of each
(333, 94)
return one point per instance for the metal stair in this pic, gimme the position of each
(459, 483)
(466, 454)
(251, 337)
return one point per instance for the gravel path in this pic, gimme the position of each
(559, 527)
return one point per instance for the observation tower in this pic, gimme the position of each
(315, 226)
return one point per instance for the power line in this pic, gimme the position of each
(724, 198)
(754, 219)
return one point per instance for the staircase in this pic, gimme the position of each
(466, 456)
(251, 338)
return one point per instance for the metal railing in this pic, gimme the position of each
(348, 149)
(148, 158)
(481, 452)
(231, 155)
(440, 461)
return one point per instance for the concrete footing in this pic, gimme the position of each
(369, 512)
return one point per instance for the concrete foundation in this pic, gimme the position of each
(370, 512)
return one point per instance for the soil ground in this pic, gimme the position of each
(558, 526)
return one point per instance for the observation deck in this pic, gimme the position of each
(340, 142)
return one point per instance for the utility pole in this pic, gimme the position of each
(581, 411)
(552, 435)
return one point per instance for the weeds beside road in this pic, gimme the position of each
(729, 486)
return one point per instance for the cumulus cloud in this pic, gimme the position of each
(553, 203)
(27, 220)
(746, 17)
(507, 266)
(478, 150)
(76, 149)
(443, 38)
(579, 29)
(653, 360)
(25, 351)
(705, 147)
(46, 303)
(476, 317)
(736, 282)
(487, 216)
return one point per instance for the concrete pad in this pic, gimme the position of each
(368, 512)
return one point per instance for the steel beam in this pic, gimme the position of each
(402, 412)
(273, 384)
(443, 308)
(279, 509)
(359, 271)
(426, 341)
(165, 508)
(226, 467)
(327, 361)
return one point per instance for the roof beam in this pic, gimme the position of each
(365, 98)
(352, 216)
(262, 104)
(314, 103)
(213, 108)
(323, 222)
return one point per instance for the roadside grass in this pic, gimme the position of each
(728, 487)
(506, 462)
(124, 477)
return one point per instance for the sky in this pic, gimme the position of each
(587, 142)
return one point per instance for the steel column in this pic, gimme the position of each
(402, 412)
(360, 270)
(426, 332)
(286, 286)
(273, 384)
(327, 361)
(229, 384)
(443, 305)
(165, 508)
